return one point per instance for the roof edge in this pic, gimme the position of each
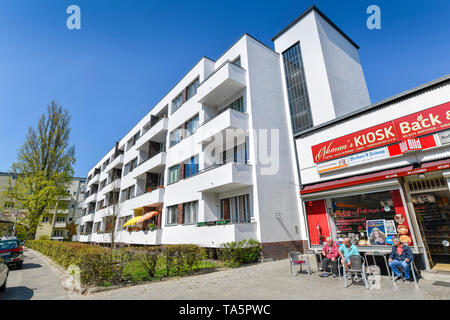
(320, 13)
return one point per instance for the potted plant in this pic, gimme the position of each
(222, 221)
(151, 226)
(149, 189)
(161, 187)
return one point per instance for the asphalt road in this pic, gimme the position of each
(35, 281)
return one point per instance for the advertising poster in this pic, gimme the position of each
(376, 232)
(391, 229)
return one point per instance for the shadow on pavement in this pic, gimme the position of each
(17, 293)
(31, 266)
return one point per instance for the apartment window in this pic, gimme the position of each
(299, 105)
(237, 105)
(175, 136)
(58, 233)
(191, 126)
(172, 215)
(190, 210)
(131, 142)
(192, 88)
(236, 209)
(177, 102)
(191, 167)
(174, 174)
(237, 61)
(128, 193)
(60, 219)
(133, 164)
(45, 220)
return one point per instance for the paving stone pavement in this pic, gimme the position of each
(270, 280)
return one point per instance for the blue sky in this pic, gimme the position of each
(129, 54)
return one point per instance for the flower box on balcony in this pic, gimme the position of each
(149, 189)
(201, 224)
(210, 223)
(222, 221)
(161, 187)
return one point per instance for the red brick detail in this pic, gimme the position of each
(180, 213)
(280, 250)
(181, 171)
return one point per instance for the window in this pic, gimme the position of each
(132, 141)
(45, 220)
(190, 210)
(191, 167)
(371, 218)
(133, 164)
(174, 174)
(237, 61)
(172, 215)
(192, 88)
(238, 105)
(297, 90)
(177, 102)
(175, 136)
(60, 219)
(191, 126)
(236, 209)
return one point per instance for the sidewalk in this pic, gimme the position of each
(270, 280)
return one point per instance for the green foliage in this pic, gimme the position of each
(236, 253)
(44, 237)
(43, 167)
(103, 265)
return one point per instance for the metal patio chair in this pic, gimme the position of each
(357, 266)
(411, 269)
(296, 258)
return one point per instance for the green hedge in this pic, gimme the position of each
(236, 253)
(99, 265)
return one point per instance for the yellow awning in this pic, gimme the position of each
(132, 221)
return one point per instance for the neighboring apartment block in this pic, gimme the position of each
(214, 161)
(54, 222)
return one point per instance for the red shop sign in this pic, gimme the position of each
(412, 145)
(417, 124)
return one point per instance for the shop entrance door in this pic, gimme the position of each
(430, 196)
(318, 226)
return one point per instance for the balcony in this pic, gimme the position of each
(112, 186)
(91, 198)
(157, 133)
(60, 224)
(140, 237)
(116, 163)
(95, 179)
(222, 84)
(154, 164)
(84, 238)
(222, 178)
(147, 199)
(229, 119)
(87, 218)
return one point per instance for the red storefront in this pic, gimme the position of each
(408, 199)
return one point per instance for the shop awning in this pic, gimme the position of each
(148, 215)
(377, 176)
(132, 221)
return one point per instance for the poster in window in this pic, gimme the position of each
(376, 232)
(391, 229)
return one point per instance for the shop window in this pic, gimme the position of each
(371, 218)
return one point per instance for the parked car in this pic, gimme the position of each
(11, 250)
(4, 271)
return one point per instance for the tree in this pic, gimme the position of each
(43, 167)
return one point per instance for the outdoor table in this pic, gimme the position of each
(378, 253)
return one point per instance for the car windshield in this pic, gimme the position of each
(5, 245)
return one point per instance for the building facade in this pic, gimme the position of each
(54, 222)
(214, 161)
(382, 172)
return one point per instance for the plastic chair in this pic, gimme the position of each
(412, 270)
(357, 266)
(296, 258)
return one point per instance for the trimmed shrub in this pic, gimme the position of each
(149, 257)
(241, 252)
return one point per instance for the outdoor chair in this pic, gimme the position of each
(357, 266)
(296, 258)
(412, 270)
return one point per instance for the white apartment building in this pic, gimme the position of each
(215, 161)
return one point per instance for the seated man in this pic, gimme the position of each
(330, 252)
(401, 255)
(346, 250)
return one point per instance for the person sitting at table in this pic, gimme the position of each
(330, 252)
(346, 250)
(401, 255)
